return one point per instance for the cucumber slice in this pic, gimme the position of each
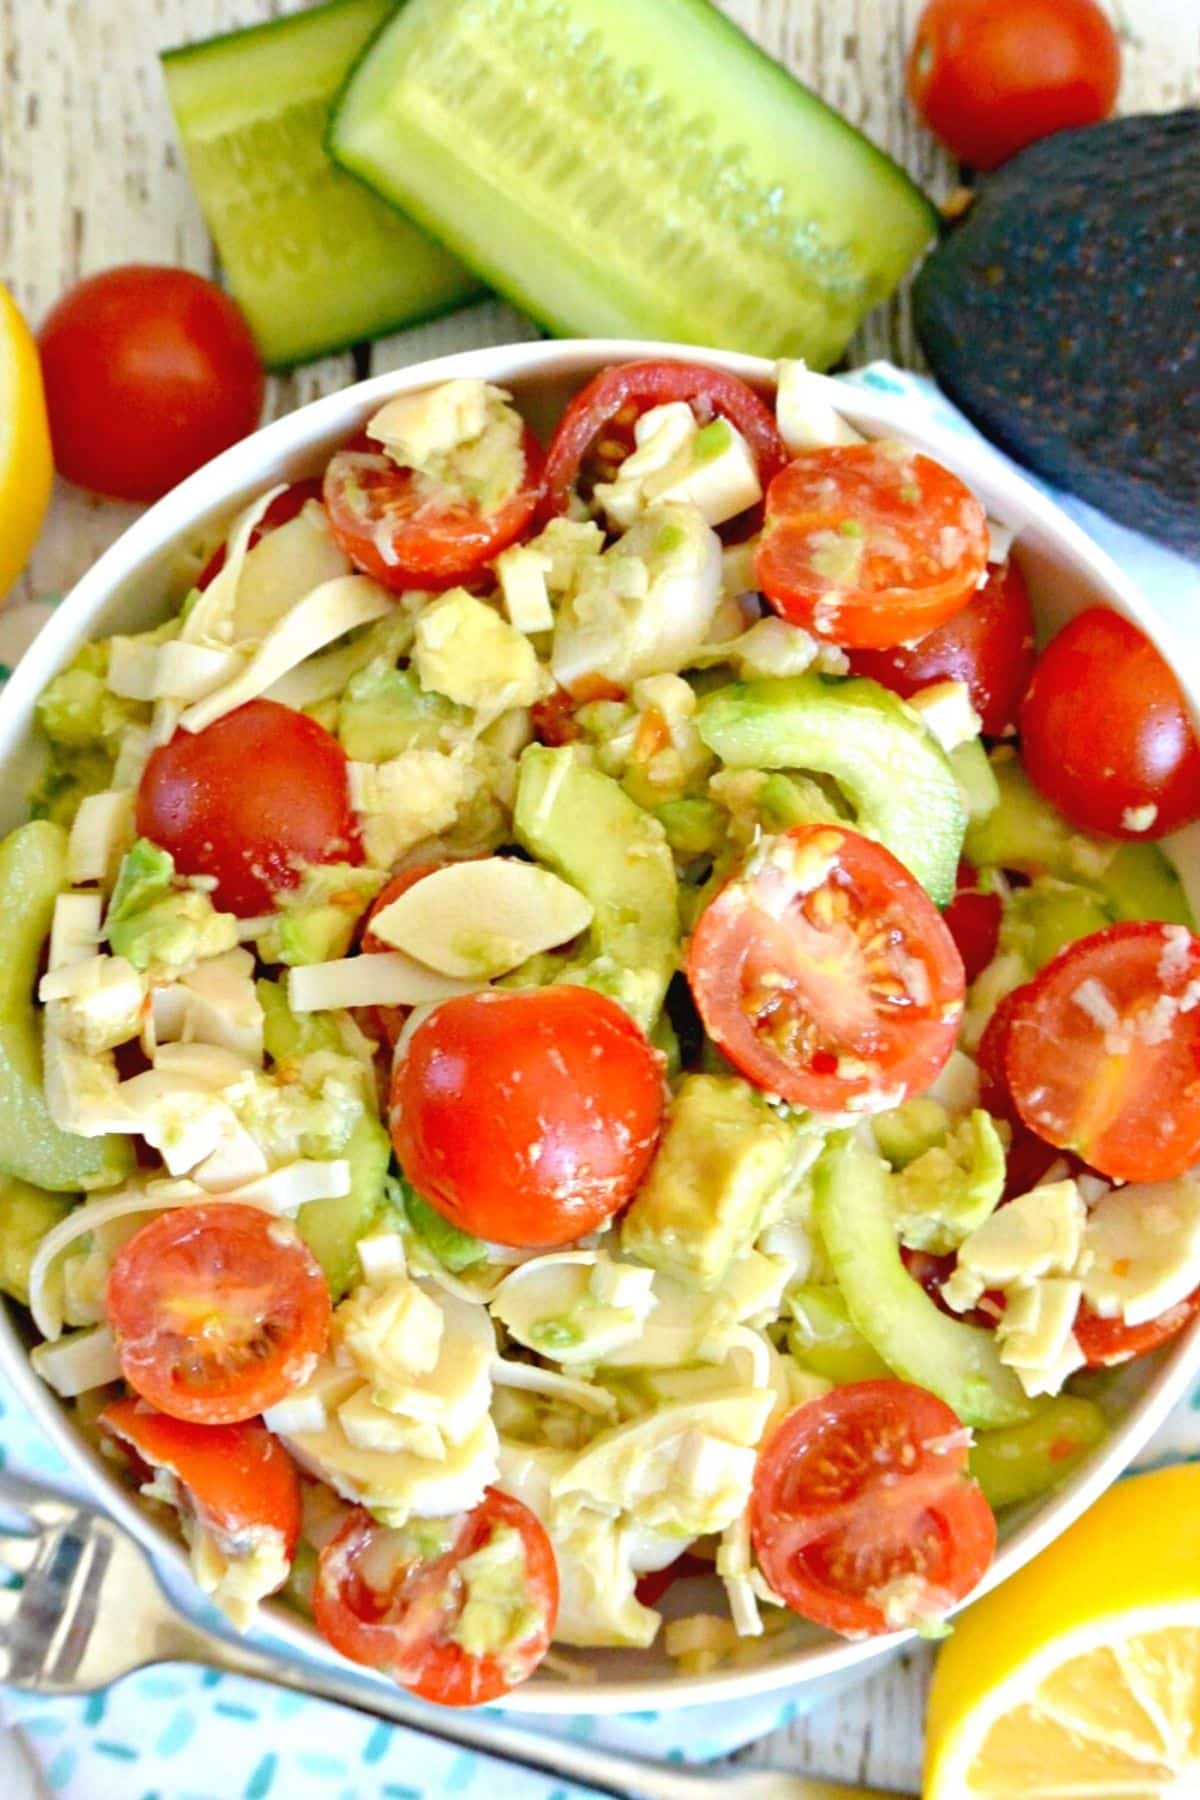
(631, 167)
(314, 261)
(892, 771)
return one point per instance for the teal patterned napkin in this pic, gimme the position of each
(179, 1733)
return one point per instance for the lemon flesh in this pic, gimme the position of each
(26, 464)
(1079, 1679)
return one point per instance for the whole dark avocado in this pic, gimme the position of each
(1063, 315)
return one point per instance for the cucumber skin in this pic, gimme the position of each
(279, 346)
(921, 1344)
(538, 303)
(873, 746)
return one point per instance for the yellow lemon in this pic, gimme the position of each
(1080, 1677)
(26, 464)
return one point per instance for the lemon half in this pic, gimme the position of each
(1079, 1679)
(26, 464)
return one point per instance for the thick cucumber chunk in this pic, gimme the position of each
(634, 168)
(33, 872)
(314, 261)
(583, 825)
(894, 1314)
(894, 774)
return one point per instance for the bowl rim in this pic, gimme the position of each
(214, 492)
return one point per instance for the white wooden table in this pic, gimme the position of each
(90, 175)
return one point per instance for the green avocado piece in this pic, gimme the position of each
(316, 920)
(68, 776)
(1022, 1462)
(1027, 834)
(287, 1034)
(947, 1192)
(724, 1157)
(27, 1213)
(1054, 310)
(454, 1248)
(976, 782)
(33, 872)
(824, 1339)
(583, 825)
(332, 1228)
(892, 771)
(151, 920)
(958, 1362)
(385, 711)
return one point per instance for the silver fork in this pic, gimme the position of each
(85, 1608)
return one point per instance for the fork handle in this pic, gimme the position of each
(607, 1772)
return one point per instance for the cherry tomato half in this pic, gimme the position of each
(613, 400)
(238, 1478)
(283, 507)
(250, 800)
(380, 1601)
(218, 1311)
(973, 921)
(529, 1116)
(1105, 731)
(1102, 1052)
(862, 1488)
(990, 76)
(869, 545)
(1107, 1342)
(826, 974)
(404, 539)
(989, 645)
(149, 372)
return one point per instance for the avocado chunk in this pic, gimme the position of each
(724, 1157)
(33, 872)
(27, 1213)
(584, 826)
(385, 711)
(946, 1192)
(454, 1248)
(287, 1034)
(1026, 833)
(1066, 297)
(892, 771)
(956, 1361)
(315, 921)
(153, 921)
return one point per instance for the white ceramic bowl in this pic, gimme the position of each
(129, 588)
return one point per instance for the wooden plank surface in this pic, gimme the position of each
(90, 175)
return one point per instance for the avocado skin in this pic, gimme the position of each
(1063, 316)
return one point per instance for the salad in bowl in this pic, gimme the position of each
(597, 1052)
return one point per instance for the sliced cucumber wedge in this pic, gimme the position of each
(314, 260)
(631, 167)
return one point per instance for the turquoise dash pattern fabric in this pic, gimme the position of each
(181, 1733)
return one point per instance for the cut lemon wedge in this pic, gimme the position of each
(26, 465)
(1079, 1679)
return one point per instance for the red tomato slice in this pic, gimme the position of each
(990, 1055)
(613, 400)
(973, 921)
(826, 974)
(869, 545)
(379, 518)
(237, 1478)
(527, 1117)
(989, 644)
(1107, 1342)
(218, 1310)
(864, 1487)
(380, 1601)
(1106, 733)
(251, 800)
(1102, 1054)
(283, 507)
